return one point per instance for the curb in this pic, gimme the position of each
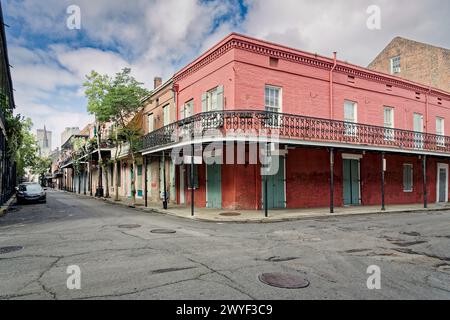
(5, 207)
(262, 220)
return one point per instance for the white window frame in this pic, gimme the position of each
(151, 122)
(351, 130)
(166, 115)
(418, 135)
(412, 177)
(440, 140)
(211, 99)
(272, 107)
(188, 106)
(389, 134)
(276, 105)
(395, 64)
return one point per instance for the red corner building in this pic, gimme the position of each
(342, 130)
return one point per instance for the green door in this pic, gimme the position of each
(214, 186)
(275, 187)
(351, 182)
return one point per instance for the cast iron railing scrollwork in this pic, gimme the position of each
(294, 127)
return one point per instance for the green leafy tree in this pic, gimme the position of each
(118, 100)
(41, 166)
(79, 146)
(97, 87)
(22, 145)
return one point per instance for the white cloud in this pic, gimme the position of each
(155, 38)
(327, 26)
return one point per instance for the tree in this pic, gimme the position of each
(97, 87)
(124, 99)
(118, 100)
(79, 150)
(22, 145)
(41, 166)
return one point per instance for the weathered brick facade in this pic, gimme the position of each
(419, 62)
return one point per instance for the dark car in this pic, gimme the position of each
(31, 192)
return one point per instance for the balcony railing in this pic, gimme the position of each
(294, 127)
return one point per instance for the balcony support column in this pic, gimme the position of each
(383, 168)
(424, 172)
(331, 180)
(164, 181)
(192, 180)
(145, 181)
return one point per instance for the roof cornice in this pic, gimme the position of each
(236, 41)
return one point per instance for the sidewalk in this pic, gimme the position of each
(4, 208)
(243, 216)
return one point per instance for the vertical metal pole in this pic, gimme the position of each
(266, 200)
(192, 181)
(331, 180)
(145, 181)
(90, 178)
(164, 182)
(382, 182)
(424, 169)
(266, 205)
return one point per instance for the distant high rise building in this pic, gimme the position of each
(44, 140)
(68, 132)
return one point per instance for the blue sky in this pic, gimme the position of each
(157, 37)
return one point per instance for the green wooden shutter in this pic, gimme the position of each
(220, 98)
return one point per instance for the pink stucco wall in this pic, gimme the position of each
(305, 89)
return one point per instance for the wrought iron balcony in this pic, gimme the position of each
(297, 128)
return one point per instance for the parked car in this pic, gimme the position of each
(30, 192)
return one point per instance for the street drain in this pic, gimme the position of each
(4, 250)
(229, 214)
(162, 231)
(129, 226)
(283, 280)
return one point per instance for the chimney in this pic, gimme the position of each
(157, 81)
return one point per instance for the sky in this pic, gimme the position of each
(158, 37)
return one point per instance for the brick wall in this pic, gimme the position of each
(419, 62)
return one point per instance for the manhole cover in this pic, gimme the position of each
(129, 226)
(283, 280)
(4, 250)
(163, 231)
(229, 214)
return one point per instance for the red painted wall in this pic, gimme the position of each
(308, 178)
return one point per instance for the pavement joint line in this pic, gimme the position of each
(260, 220)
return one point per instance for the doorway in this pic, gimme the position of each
(351, 181)
(213, 186)
(276, 186)
(442, 183)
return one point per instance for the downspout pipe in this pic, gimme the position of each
(331, 84)
(426, 108)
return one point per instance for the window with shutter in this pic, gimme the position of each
(388, 123)
(350, 115)
(150, 122)
(440, 131)
(407, 177)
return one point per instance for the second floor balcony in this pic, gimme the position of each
(293, 129)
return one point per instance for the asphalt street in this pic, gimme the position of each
(120, 258)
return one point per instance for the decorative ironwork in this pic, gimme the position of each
(294, 127)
